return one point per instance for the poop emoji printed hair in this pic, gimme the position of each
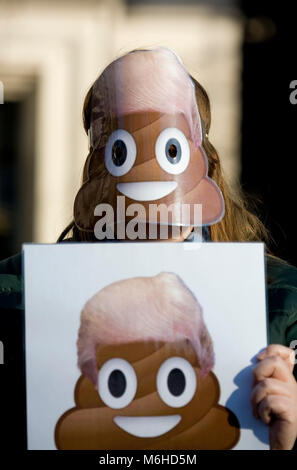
(146, 144)
(146, 357)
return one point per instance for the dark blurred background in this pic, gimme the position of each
(241, 51)
(269, 119)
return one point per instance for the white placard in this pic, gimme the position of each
(227, 278)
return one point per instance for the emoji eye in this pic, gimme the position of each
(117, 383)
(172, 151)
(176, 382)
(120, 152)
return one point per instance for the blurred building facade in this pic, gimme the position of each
(50, 54)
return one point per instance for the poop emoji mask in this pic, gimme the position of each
(146, 155)
(146, 357)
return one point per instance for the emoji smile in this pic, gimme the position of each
(147, 426)
(147, 190)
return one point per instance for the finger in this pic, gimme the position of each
(287, 354)
(273, 406)
(273, 366)
(267, 387)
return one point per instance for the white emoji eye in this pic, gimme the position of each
(120, 152)
(176, 382)
(117, 383)
(172, 150)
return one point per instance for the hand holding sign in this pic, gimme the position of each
(274, 397)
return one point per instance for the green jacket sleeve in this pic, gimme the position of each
(282, 304)
(11, 283)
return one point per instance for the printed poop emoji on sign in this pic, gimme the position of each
(146, 358)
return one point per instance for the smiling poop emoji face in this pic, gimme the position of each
(146, 357)
(146, 145)
(150, 396)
